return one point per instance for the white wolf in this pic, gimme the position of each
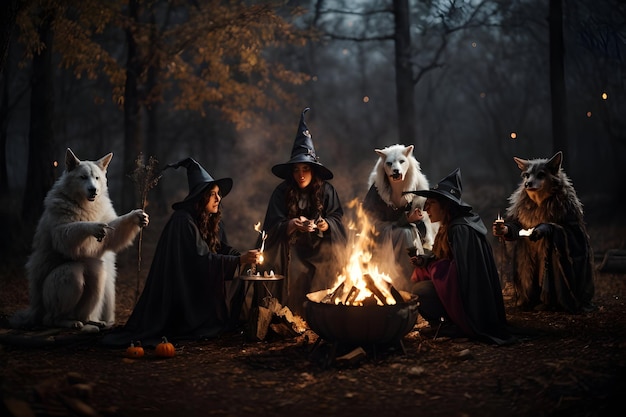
(395, 172)
(71, 270)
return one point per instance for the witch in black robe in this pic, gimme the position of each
(190, 292)
(458, 285)
(306, 237)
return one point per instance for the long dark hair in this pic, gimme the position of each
(314, 193)
(441, 246)
(208, 223)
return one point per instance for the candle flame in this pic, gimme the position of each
(257, 227)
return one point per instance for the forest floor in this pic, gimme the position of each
(569, 365)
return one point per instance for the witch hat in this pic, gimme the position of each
(302, 151)
(199, 180)
(449, 188)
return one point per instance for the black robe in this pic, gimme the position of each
(555, 272)
(394, 236)
(468, 285)
(308, 261)
(188, 290)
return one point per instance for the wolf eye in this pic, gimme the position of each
(83, 177)
(525, 175)
(541, 175)
(388, 164)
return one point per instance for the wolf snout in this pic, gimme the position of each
(91, 194)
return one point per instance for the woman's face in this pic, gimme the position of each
(213, 205)
(302, 174)
(434, 209)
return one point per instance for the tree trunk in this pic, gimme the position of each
(8, 17)
(152, 115)
(404, 73)
(132, 116)
(557, 79)
(4, 125)
(41, 149)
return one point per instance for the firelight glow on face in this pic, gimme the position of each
(303, 174)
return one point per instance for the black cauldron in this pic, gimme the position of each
(360, 325)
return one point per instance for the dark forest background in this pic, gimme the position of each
(470, 83)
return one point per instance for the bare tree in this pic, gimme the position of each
(557, 79)
(432, 23)
(41, 135)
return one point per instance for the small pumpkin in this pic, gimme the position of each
(135, 351)
(165, 349)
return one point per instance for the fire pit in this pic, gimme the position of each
(363, 309)
(360, 324)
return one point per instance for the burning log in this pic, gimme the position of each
(380, 293)
(330, 298)
(352, 294)
(371, 286)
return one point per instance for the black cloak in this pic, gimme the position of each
(468, 285)
(555, 272)
(189, 292)
(394, 236)
(308, 261)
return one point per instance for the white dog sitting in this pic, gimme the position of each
(71, 271)
(394, 214)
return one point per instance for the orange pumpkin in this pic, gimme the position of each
(135, 351)
(165, 349)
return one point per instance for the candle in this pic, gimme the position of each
(257, 227)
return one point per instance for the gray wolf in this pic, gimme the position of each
(395, 172)
(71, 271)
(552, 259)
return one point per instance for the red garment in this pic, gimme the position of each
(444, 276)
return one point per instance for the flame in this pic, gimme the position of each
(257, 227)
(359, 266)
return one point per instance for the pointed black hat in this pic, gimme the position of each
(302, 151)
(449, 188)
(199, 180)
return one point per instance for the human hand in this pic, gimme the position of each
(422, 260)
(415, 215)
(302, 224)
(540, 231)
(250, 257)
(322, 224)
(498, 228)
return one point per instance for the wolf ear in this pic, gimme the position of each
(555, 162)
(381, 153)
(408, 150)
(522, 164)
(71, 161)
(104, 161)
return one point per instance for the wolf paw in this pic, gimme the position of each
(142, 217)
(100, 231)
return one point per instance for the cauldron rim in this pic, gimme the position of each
(360, 324)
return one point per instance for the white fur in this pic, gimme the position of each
(398, 161)
(71, 271)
